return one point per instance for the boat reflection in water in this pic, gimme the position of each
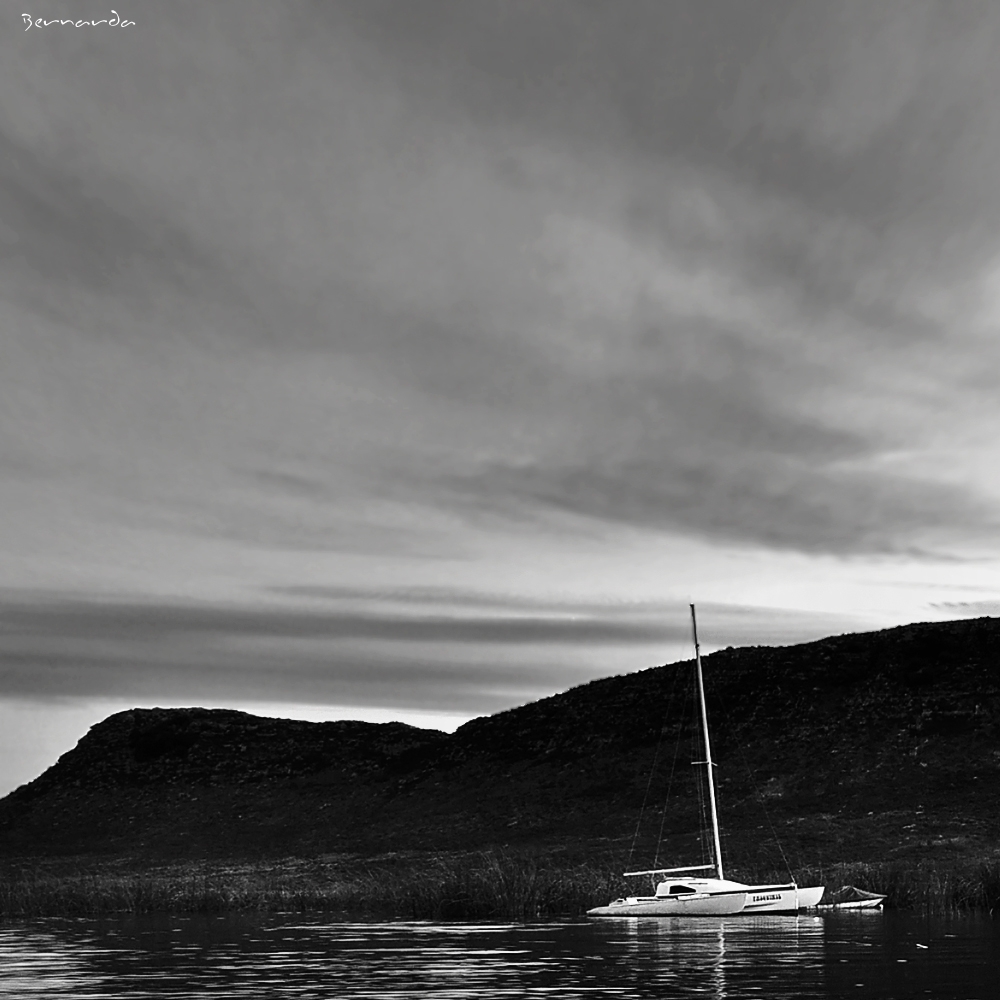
(721, 957)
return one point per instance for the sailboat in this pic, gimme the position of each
(684, 894)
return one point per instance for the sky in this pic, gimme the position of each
(362, 359)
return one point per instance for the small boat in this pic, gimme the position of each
(703, 896)
(850, 897)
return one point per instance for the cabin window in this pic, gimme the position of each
(676, 890)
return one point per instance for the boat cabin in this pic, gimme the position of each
(673, 889)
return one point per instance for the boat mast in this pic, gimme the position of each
(708, 749)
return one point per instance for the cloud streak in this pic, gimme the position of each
(763, 501)
(970, 609)
(415, 648)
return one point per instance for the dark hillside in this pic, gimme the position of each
(198, 780)
(861, 747)
(205, 747)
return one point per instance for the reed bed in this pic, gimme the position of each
(483, 885)
(493, 884)
(919, 885)
(497, 885)
(936, 887)
(97, 893)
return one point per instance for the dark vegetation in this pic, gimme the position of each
(872, 759)
(492, 884)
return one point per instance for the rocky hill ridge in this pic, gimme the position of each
(865, 743)
(199, 746)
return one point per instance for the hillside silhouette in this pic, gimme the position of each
(869, 746)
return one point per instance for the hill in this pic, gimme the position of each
(872, 746)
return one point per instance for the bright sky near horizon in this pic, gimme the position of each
(416, 360)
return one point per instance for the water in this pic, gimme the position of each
(844, 955)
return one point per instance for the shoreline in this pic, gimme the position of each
(492, 884)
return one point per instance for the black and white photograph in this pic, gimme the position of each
(500, 498)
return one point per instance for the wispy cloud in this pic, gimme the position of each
(970, 609)
(417, 648)
(761, 501)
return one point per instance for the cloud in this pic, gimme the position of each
(154, 623)
(85, 250)
(858, 130)
(410, 649)
(761, 501)
(970, 609)
(364, 279)
(485, 601)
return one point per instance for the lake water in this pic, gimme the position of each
(888, 955)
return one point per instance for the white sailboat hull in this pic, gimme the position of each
(698, 905)
(781, 898)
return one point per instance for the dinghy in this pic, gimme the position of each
(849, 897)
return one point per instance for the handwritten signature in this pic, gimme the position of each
(115, 22)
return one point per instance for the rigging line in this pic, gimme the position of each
(681, 729)
(756, 789)
(652, 768)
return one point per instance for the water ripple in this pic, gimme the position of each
(236, 957)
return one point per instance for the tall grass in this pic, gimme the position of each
(95, 893)
(496, 885)
(493, 884)
(921, 885)
(484, 885)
